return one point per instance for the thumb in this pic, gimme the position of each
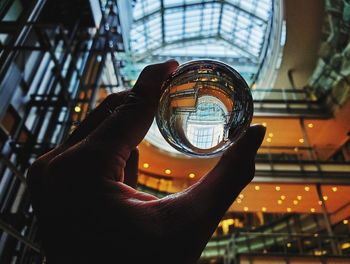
(233, 172)
(239, 158)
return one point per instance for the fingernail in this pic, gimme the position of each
(173, 63)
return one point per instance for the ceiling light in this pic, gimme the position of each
(325, 197)
(334, 189)
(289, 209)
(263, 209)
(301, 140)
(296, 149)
(345, 245)
(283, 197)
(191, 175)
(271, 135)
(289, 245)
(295, 202)
(257, 187)
(241, 196)
(77, 109)
(167, 171)
(239, 200)
(277, 188)
(245, 209)
(279, 201)
(320, 202)
(269, 140)
(307, 188)
(310, 125)
(145, 165)
(299, 197)
(312, 210)
(345, 221)
(264, 124)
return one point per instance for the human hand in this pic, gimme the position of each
(83, 192)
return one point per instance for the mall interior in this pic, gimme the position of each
(60, 59)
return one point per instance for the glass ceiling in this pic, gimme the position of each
(246, 34)
(233, 31)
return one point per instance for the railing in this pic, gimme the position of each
(303, 244)
(288, 102)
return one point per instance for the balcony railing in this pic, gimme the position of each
(276, 244)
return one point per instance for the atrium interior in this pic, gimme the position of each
(60, 59)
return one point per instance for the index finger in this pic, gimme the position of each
(126, 127)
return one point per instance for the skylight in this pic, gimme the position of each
(232, 31)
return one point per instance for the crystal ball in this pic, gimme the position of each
(205, 106)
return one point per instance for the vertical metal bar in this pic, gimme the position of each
(335, 249)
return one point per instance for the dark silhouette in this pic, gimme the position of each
(83, 191)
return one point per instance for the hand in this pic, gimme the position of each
(83, 192)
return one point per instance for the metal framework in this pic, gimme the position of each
(50, 64)
(233, 31)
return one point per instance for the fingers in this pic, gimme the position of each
(122, 131)
(131, 169)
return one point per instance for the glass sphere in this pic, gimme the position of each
(205, 107)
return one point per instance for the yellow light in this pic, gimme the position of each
(264, 124)
(312, 210)
(271, 135)
(283, 197)
(346, 245)
(334, 189)
(167, 171)
(257, 187)
(269, 140)
(277, 188)
(77, 109)
(289, 209)
(295, 202)
(239, 200)
(289, 245)
(307, 188)
(320, 202)
(146, 165)
(301, 140)
(191, 175)
(310, 125)
(279, 201)
(263, 209)
(345, 221)
(245, 209)
(299, 197)
(325, 197)
(296, 149)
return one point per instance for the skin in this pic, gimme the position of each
(83, 192)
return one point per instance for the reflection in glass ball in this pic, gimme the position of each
(205, 107)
